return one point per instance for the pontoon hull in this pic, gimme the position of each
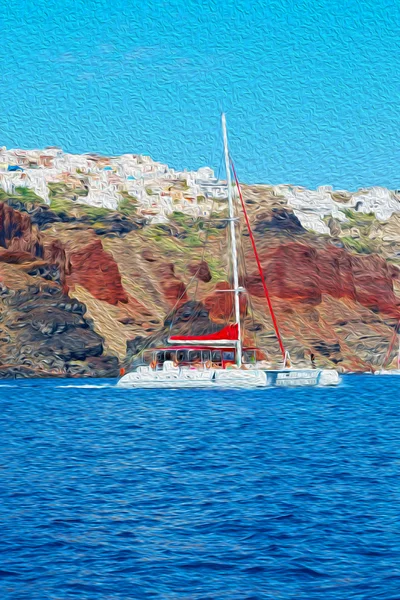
(170, 377)
(186, 378)
(302, 377)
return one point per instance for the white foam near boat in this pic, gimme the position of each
(219, 360)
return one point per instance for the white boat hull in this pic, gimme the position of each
(192, 378)
(302, 377)
(183, 377)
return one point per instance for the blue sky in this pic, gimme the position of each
(311, 88)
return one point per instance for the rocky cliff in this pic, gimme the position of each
(81, 292)
(43, 329)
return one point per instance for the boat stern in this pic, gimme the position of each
(328, 377)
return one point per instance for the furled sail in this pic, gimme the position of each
(224, 336)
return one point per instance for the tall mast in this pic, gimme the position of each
(236, 289)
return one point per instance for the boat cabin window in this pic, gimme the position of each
(170, 355)
(147, 357)
(160, 357)
(194, 356)
(181, 356)
(216, 356)
(229, 355)
(206, 355)
(249, 357)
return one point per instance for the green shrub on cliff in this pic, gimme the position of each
(93, 213)
(61, 206)
(66, 191)
(128, 205)
(22, 195)
(359, 245)
(28, 195)
(359, 218)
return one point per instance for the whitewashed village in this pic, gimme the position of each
(160, 190)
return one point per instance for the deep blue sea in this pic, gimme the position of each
(115, 495)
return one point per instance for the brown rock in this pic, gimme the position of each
(94, 269)
(200, 270)
(17, 233)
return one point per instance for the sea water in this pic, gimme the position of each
(277, 493)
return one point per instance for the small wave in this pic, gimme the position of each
(4, 573)
(87, 386)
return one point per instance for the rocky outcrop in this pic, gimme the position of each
(200, 270)
(114, 224)
(17, 233)
(43, 329)
(278, 219)
(96, 270)
(55, 254)
(173, 289)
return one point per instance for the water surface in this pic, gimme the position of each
(281, 494)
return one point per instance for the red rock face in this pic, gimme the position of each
(374, 284)
(96, 270)
(302, 274)
(16, 232)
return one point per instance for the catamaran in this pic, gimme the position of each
(221, 359)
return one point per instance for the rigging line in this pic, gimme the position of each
(395, 332)
(180, 298)
(190, 282)
(253, 243)
(204, 246)
(249, 301)
(207, 232)
(208, 222)
(248, 297)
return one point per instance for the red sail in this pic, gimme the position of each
(227, 334)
